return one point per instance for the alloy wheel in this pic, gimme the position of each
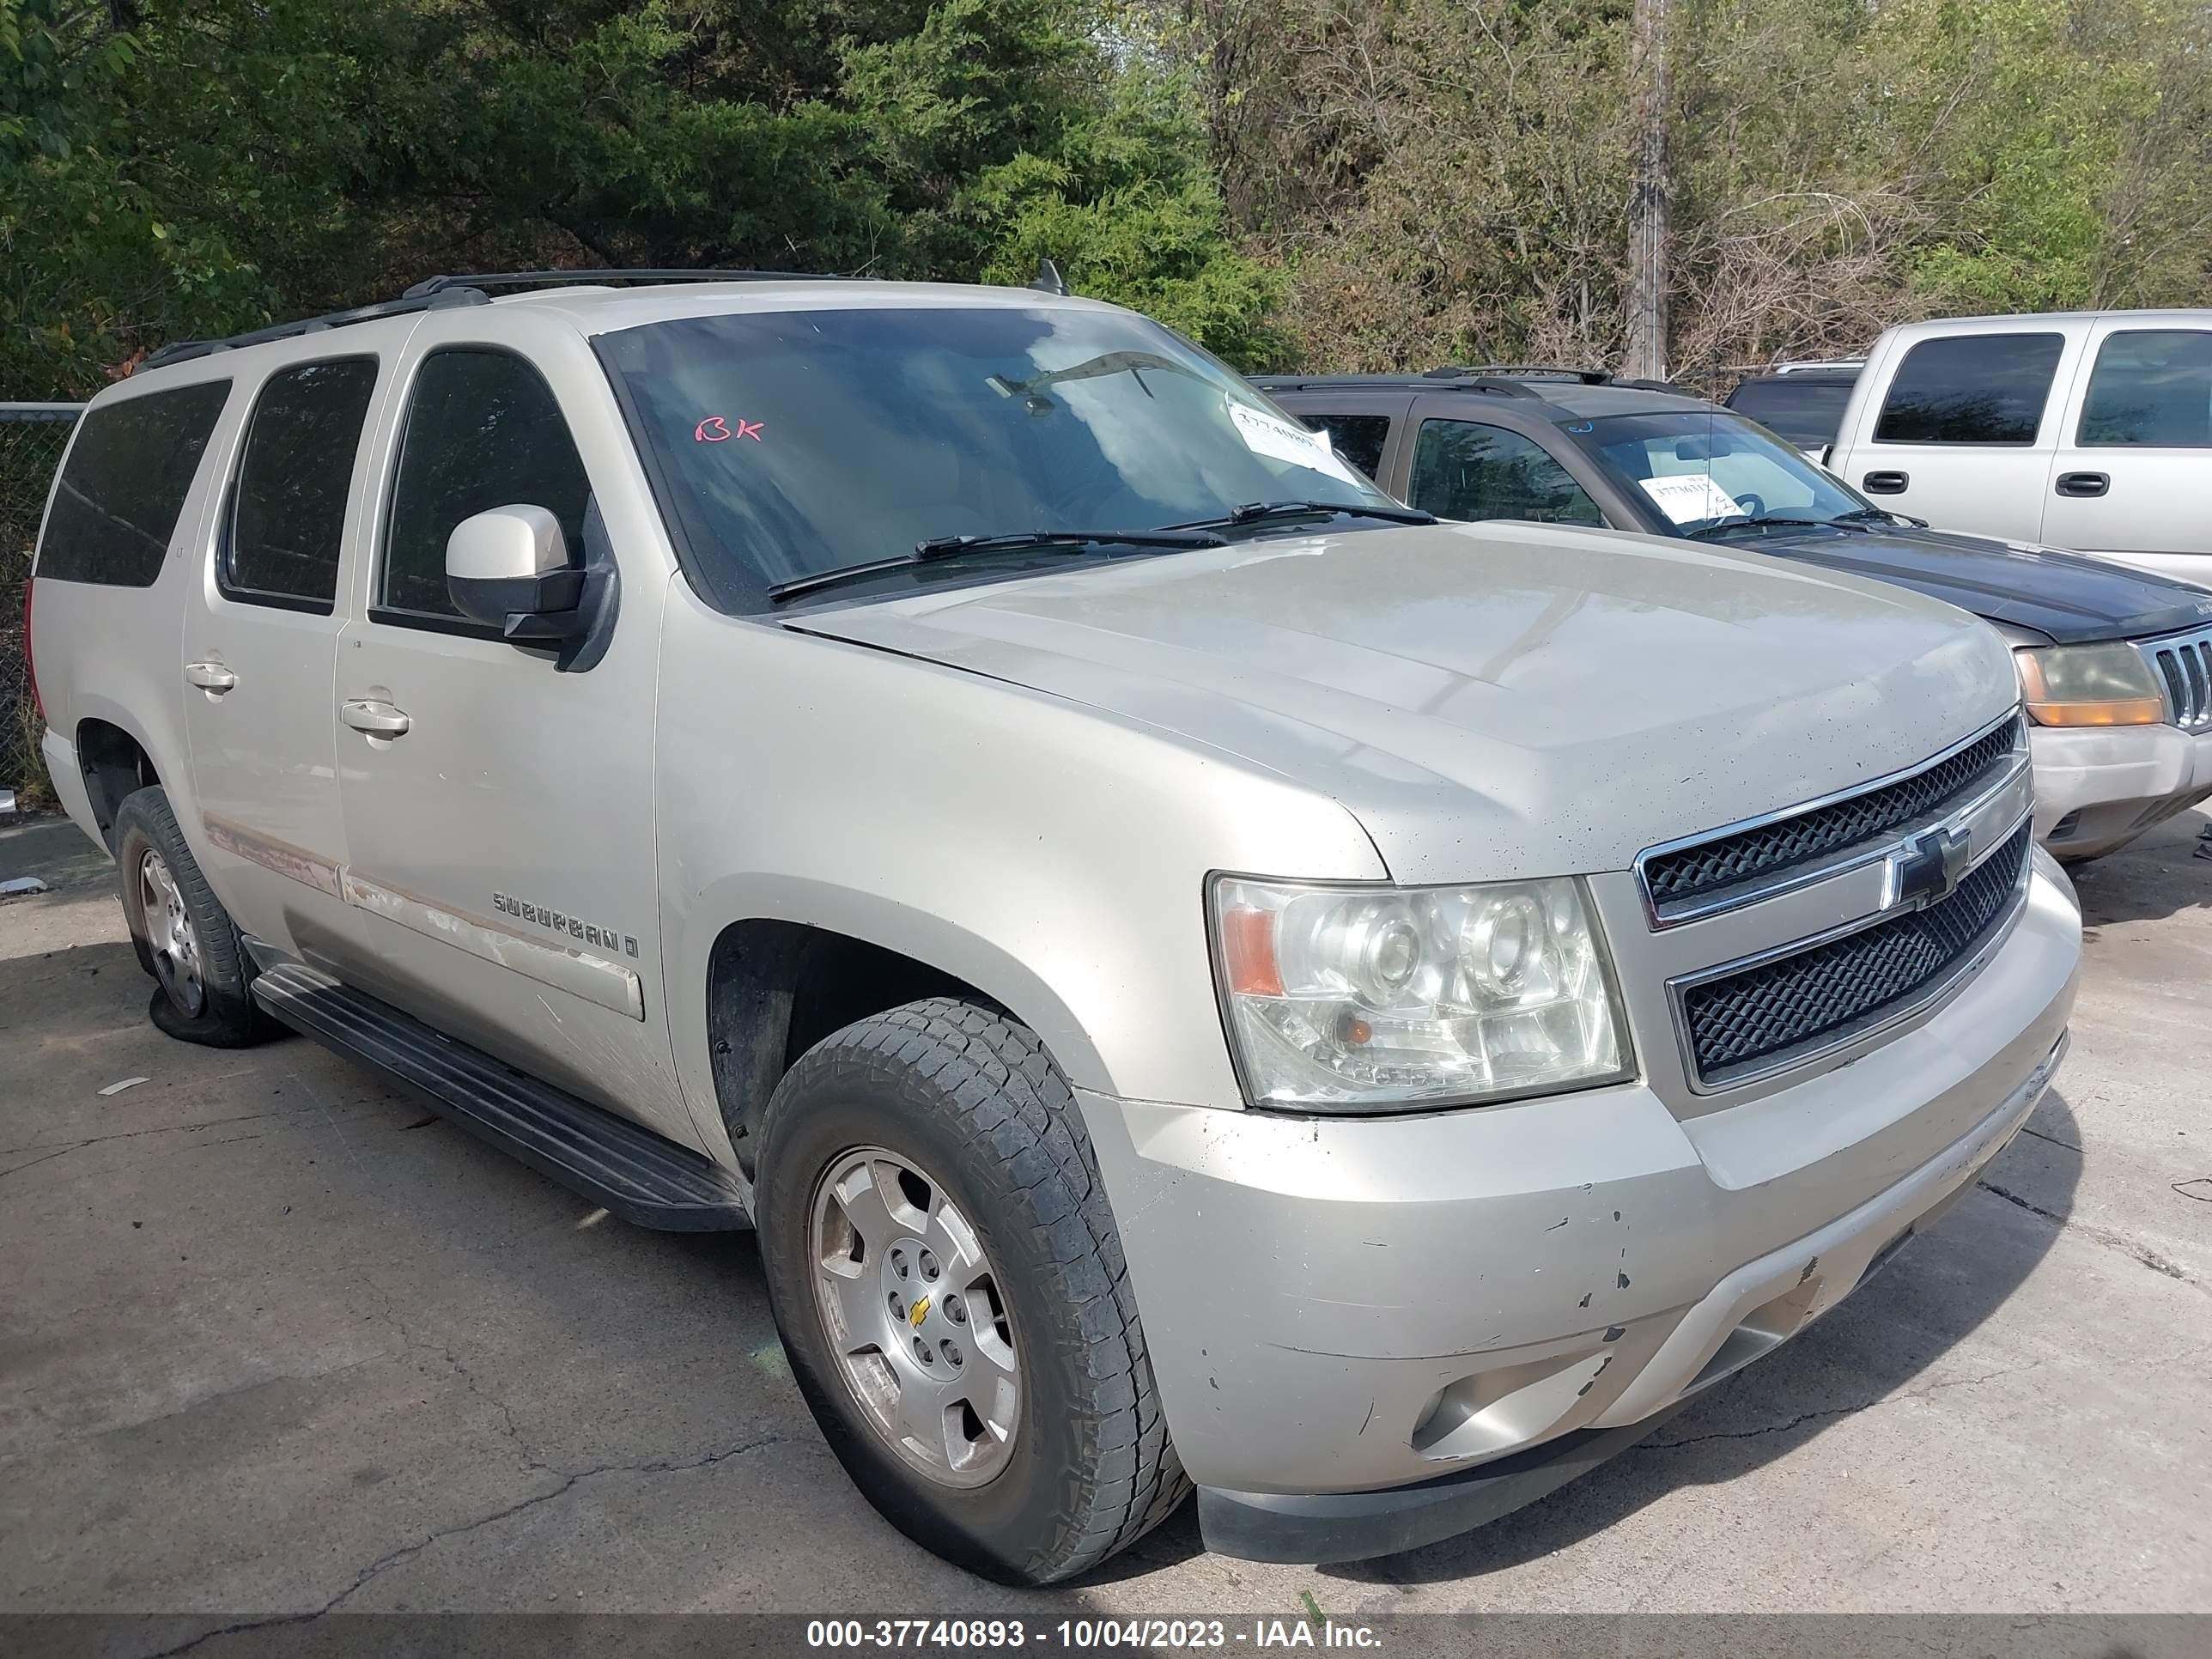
(914, 1316)
(170, 934)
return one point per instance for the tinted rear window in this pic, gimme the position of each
(1805, 412)
(2151, 386)
(124, 483)
(1971, 389)
(289, 511)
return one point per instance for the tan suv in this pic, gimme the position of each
(1198, 973)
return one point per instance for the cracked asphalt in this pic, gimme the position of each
(275, 1342)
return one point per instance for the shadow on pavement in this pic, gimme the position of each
(2157, 877)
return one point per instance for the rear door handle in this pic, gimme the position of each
(1885, 484)
(211, 677)
(376, 718)
(2084, 483)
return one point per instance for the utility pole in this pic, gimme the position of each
(1649, 70)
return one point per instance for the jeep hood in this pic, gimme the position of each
(2071, 598)
(1488, 700)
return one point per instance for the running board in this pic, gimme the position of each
(634, 1173)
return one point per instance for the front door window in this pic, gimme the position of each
(1469, 469)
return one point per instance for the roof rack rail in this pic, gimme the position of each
(1517, 371)
(431, 285)
(437, 293)
(1544, 371)
(185, 350)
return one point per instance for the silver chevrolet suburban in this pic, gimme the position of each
(1199, 974)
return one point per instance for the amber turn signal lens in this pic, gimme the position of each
(1248, 952)
(2107, 684)
(2121, 711)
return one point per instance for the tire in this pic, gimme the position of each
(184, 938)
(970, 1105)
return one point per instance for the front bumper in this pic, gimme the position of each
(1334, 1306)
(2106, 785)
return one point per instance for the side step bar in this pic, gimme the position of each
(629, 1170)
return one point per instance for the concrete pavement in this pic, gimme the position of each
(274, 1340)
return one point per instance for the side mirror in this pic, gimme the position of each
(509, 567)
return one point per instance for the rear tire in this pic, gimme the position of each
(184, 937)
(995, 1257)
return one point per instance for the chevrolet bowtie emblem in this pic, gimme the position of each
(917, 1313)
(1925, 870)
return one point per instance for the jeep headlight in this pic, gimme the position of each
(1376, 998)
(2088, 685)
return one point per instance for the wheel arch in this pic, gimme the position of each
(806, 959)
(115, 764)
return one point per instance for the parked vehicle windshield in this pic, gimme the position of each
(794, 442)
(1701, 472)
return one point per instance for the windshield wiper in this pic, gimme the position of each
(947, 547)
(1260, 511)
(935, 549)
(1716, 527)
(1867, 515)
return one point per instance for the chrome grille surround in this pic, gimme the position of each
(1749, 1019)
(2182, 664)
(1754, 859)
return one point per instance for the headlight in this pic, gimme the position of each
(1374, 999)
(2088, 685)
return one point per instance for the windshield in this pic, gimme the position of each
(1700, 471)
(790, 443)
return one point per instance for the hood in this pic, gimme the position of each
(2075, 600)
(1488, 700)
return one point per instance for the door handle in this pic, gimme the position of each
(2084, 483)
(1885, 484)
(211, 677)
(376, 718)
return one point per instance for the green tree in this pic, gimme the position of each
(223, 162)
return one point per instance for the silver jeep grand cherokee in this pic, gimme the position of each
(1198, 974)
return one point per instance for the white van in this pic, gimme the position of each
(2090, 430)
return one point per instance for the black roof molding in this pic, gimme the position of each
(1498, 380)
(1467, 381)
(1549, 372)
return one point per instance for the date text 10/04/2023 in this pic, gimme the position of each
(1077, 1634)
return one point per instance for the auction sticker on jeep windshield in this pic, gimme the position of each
(1692, 498)
(1278, 440)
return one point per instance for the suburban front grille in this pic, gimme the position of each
(2183, 664)
(1734, 1022)
(1677, 875)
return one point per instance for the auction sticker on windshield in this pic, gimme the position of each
(1692, 498)
(1278, 440)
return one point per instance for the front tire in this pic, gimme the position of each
(184, 937)
(952, 1292)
